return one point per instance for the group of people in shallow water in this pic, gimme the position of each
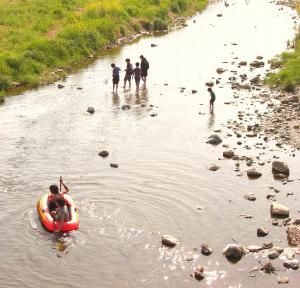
(140, 72)
(57, 205)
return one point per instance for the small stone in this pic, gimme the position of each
(273, 254)
(126, 107)
(268, 245)
(91, 110)
(253, 173)
(153, 45)
(283, 280)
(279, 210)
(250, 197)
(206, 250)
(214, 139)
(199, 275)
(103, 153)
(234, 252)
(194, 91)
(60, 86)
(228, 154)
(291, 264)
(262, 231)
(169, 241)
(114, 165)
(254, 248)
(213, 167)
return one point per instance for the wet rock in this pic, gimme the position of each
(220, 70)
(114, 165)
(253, 173)
(206, 250)
(209, 84)
(213, 167)
(273, 254)
(219, 15)
(259, 57)
(91, 110)
(280, 167)
(279, 210)
(214, 139)
(153, 115)
(291, 264)
(126, 107)
(293, 235)
(254, 248)
(194, 91)
(103, 153)
(228, 154)
(283, 280)
(257, 64)
(234, 252)
(169, 241)
(60, 86)
(262, 231)
(250, 197)
(153, 45)
(292, 99)
(268, 268)
(198, 274)
(243, 63)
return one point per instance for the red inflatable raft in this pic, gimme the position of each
(47, 220)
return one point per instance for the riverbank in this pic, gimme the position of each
(41, 43)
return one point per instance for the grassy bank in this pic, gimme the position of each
(38, 36)
(289, 75)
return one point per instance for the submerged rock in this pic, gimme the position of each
(213, 167)
(262, 231)
(279, 210)
(280, 167)
(214, 139)
(169, 241)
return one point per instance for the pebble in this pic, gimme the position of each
(206, 250)
(283, 280)
(103, 153)
(262, 231)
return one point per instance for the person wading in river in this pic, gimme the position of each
(137, 75)
(212, 99)
(144, 68)
(128, 75)
(115, 76)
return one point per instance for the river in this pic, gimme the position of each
(162, 184)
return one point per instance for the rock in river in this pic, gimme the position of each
(91, 110)
(103, 153)
(169, 241)
(293, 235)
(228, 154)
(114, 165)
(206, 250)
(280, 167)
(291, 264)
(214, 139)
(253, 173)
(234, 252)
(213, 167)
(279, 210)
(250, 197)
(283, 280)
(273, 254)
(262, 231)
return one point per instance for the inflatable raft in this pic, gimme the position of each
(48, 221)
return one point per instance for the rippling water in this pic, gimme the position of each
(162, 185)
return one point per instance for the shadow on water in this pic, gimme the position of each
(211, 120)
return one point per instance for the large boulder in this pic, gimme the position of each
(293, 235)
(280, 167)
(214, 139)
(279, 210)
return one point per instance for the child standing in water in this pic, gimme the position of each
(115, 76)
(137, 75)
(212, 99)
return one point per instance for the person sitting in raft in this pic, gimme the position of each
(61, 213)
(55, 194)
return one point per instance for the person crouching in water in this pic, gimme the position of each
(137, 75)
(115, 76)
(212, 99)
(60, 214)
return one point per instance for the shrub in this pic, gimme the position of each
(5, 82)
(160, 25)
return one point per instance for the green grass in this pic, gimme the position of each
(38, 36)
(289, 75)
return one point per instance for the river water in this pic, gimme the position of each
(162, 185)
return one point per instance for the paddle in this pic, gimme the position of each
(60, 180)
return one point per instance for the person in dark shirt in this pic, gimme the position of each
(128, 74)
(137, 72)
(212, 98)
(144, 68)
(115, 76)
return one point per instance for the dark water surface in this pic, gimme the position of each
(162, 185)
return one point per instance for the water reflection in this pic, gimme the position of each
(211, 120)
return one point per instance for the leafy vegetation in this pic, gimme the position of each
(38, 36)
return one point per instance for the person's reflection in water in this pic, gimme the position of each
(211, 120)
(116, 99)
